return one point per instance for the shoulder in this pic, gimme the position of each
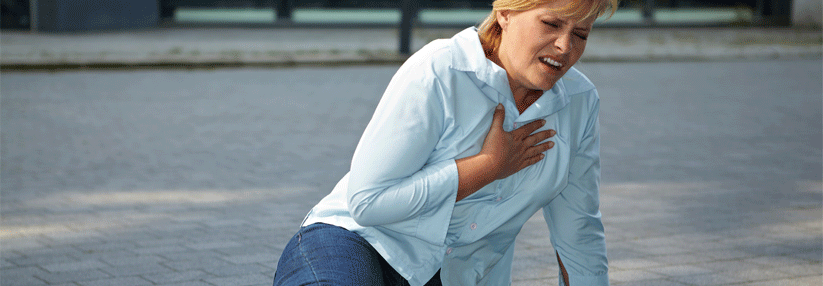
(434, 56)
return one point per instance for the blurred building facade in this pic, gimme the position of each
(89, 15)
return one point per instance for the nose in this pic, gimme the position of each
(563, 43)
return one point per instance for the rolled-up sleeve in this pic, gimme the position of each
(573, 216)
(391, 181)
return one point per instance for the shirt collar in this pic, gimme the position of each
(469, 57)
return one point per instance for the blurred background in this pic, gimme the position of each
(83, 15)
(181, 142)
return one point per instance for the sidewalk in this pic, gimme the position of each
(183, 47)
(172, 177)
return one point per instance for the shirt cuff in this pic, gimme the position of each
(434, 221)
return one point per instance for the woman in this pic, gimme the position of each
(473, 135)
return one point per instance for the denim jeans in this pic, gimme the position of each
(322, 254)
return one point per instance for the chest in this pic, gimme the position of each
(469, 125)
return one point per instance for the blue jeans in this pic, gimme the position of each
(322, 254)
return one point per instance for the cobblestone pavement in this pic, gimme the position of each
(711, 172)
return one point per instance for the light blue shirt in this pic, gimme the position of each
(400, 192)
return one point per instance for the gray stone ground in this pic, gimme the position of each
(284, 47)
(711, 172)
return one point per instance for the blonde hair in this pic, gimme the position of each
(490, 31)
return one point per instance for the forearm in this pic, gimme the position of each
(473, 174)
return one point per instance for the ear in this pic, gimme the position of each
(503, 18)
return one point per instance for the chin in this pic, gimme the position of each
(546, 85)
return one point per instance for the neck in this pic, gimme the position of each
(523, 97)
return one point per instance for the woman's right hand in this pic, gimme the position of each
(503, 154)
(510, 152)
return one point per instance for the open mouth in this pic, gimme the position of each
(551, 63)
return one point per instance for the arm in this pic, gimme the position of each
(573, 216)
(390, 180)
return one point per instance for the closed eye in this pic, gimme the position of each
(552, 24)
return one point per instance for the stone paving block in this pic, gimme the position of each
(729, 254)
(21, 244)
(731, 266)
(779, 261)
(173, 227)
(214, 245)
(802, 270)
(663, 250)
(177, 277)
(53, 249)
(709, 279)
(753, 275)
(83, 275)
(226, 222)
(531, 269)
(21, 280)
(182, 265)
(633, 263)
(105, 247)
(160, 249)
(135, 269)
(250, 258)
(128, 258)
(191, 255)
(68, 237)
(234, 270)
(633, 275)
(43, 259)
(657, 282)
(798, 281)
(811, 256)
(680, 270)
(188, 283)
(120, 281)
(22, 271)
(688, 258)
(767, 250)
(619, 251)
(74, 265)
(248, 249)
(135, 234)
(243, 280)
(5, 263)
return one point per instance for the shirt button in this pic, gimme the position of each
(473, 226)
(449, 251)
(498, 199)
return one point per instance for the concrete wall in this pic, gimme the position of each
(807, 13)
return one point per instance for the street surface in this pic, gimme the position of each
(711, 172)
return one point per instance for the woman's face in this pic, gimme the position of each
(538, 46)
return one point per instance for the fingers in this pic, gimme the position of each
(499, 115)
(537, 152)
(539, 137)
(539, 149)
(532, 160)
(530, 127)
